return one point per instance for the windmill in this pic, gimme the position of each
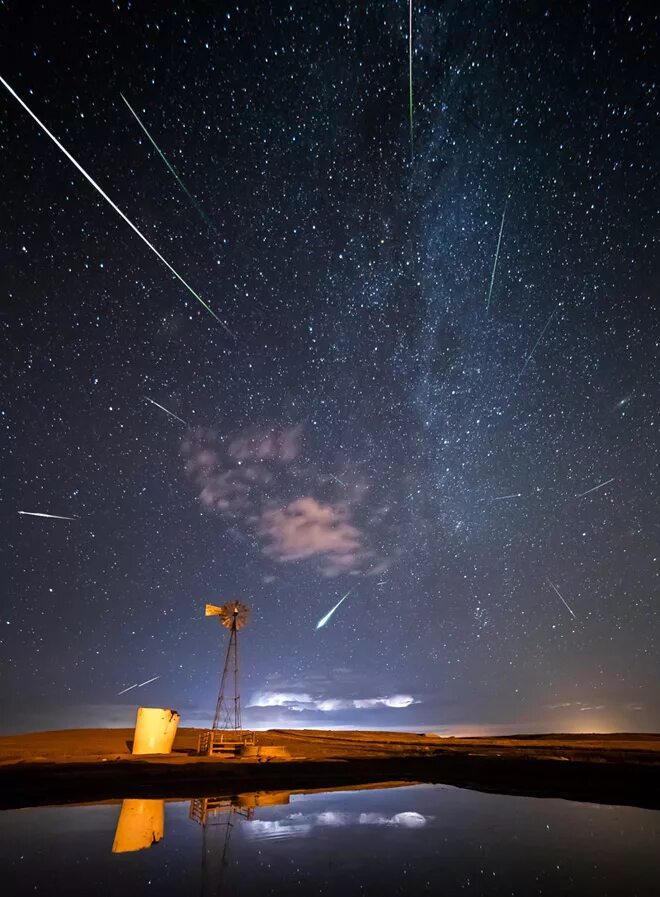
(232, 616)
(214, 814)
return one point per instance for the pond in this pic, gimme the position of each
(399, 840)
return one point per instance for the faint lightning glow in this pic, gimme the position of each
(561, 597)
(114, 206)
(497, 255)
(593, 488)
(163, 408)
(321, 623)
(50, 516)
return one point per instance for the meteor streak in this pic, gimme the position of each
(163, 408)
(337, 479)
(321, 623)
(503, 497)
(593, 488)
(114, 206)
(410, 73)
(51, 516)
(527, 360)
(170, 167)
(561, 597)
(497, 255)
(137, 685)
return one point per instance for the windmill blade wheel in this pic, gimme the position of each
(234, 611)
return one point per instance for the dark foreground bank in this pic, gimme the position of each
(95, 765)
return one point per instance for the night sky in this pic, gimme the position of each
(469, 446)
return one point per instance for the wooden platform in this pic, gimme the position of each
(223, 742)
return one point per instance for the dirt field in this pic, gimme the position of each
(93, 745)
(90, 764)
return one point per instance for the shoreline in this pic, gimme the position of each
(67, 767)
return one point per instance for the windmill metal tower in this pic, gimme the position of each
(232, 616)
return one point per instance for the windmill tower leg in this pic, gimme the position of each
(237, 696)
(233, 616)
(222, 718)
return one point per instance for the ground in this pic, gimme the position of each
(91, 764)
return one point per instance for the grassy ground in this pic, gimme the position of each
(93, 745)
(96, 764)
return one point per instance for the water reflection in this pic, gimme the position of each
(141, 823)
(378, 840)
(221, 814)
(301, 824)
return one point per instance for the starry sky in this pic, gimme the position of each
(429, 376)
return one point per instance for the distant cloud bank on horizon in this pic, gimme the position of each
(301, 702)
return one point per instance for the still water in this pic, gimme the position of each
(375, 841)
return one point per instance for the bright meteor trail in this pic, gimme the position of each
(593, 488)
(497, 255)
(561, 597)
(163, 408)
(321, 623)
(50, 516)
(114, 206)
(169, 166)
(137, 685)
(410, 73)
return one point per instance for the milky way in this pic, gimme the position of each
(376, 425)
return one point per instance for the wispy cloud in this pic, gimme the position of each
(227, 484)
(394, 701)
(307, 528)
(299, 702)
(255, 479)
(278, 699)
(297, 825)
(407, 819)
(270, 443)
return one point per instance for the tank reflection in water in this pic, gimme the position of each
(374, 840)
(141, 824)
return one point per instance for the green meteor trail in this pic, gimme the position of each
(170, 167)
(114, 205)
(321, 623)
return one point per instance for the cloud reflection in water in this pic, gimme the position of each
(302, 824)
